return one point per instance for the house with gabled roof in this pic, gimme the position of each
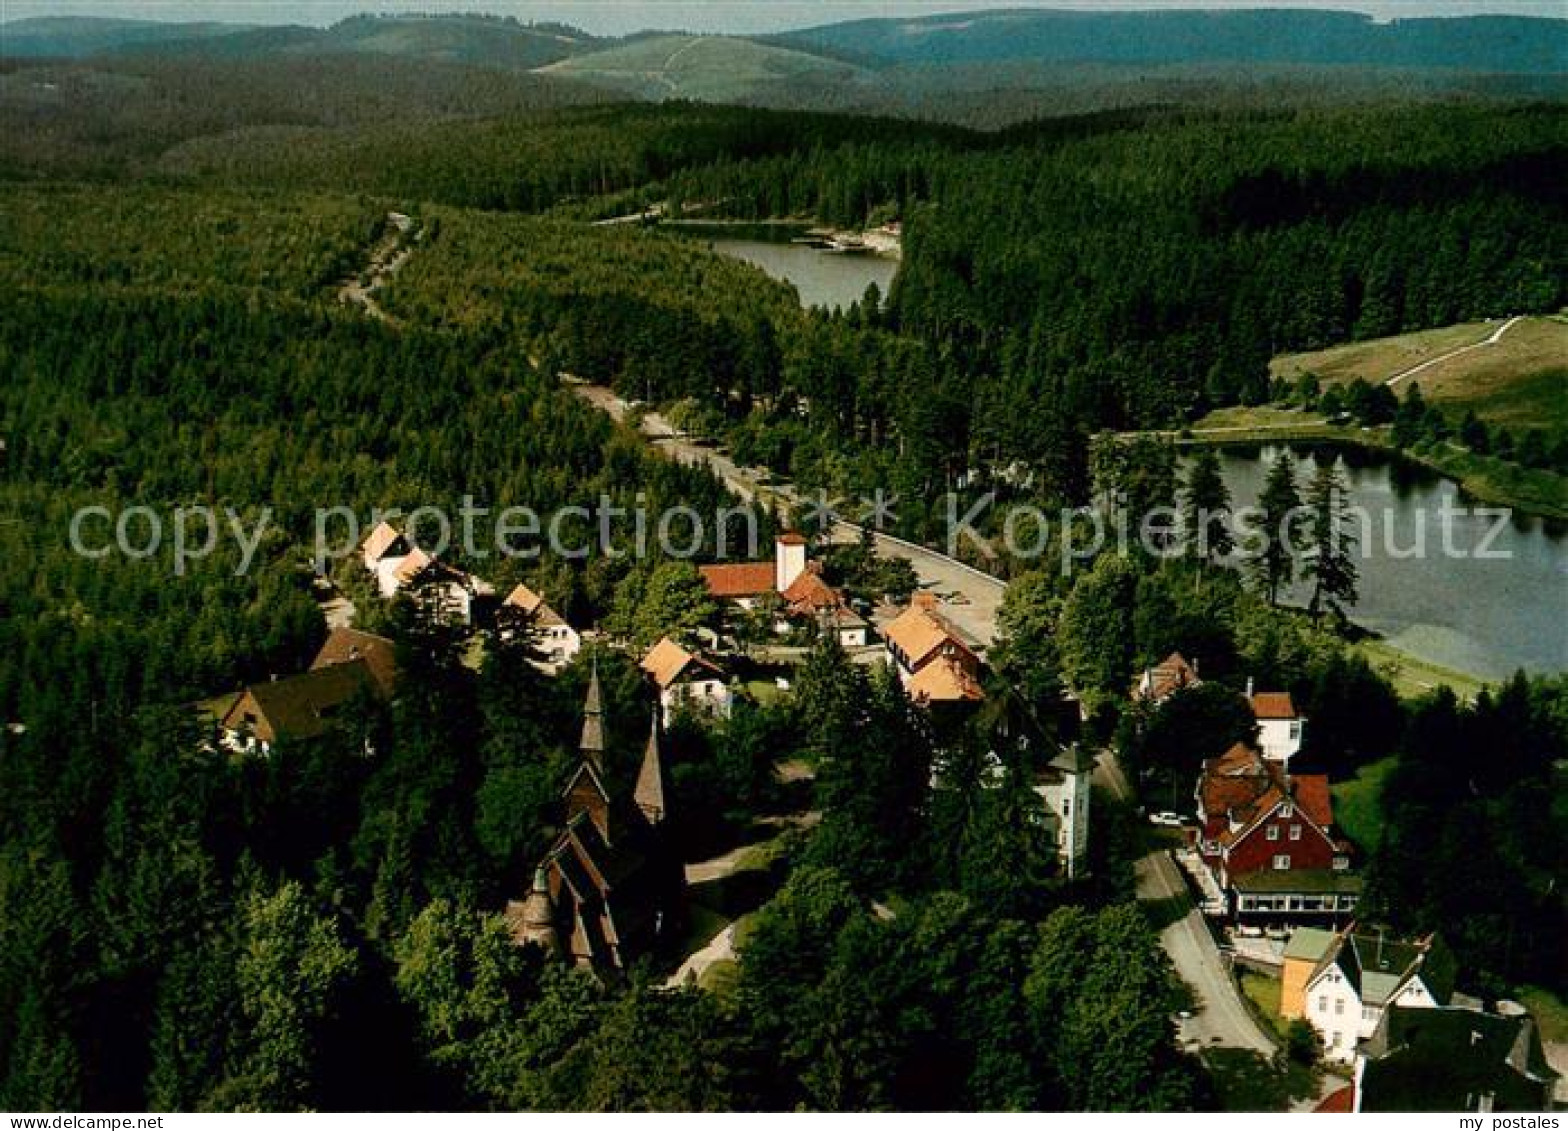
(525, 611)
(1268, 840)
(685, 677)
(401, 567)
(934, 661)
(1454, 1059)
(1164, 679)
(345, 645)
(610, 889)
(1363, 972)
(297, 707)
(1280, 726)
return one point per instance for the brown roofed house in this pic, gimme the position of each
(297, 707)
(934, 662)
(526, 611)
(344, 645)
(1166, 678)
(684, 677)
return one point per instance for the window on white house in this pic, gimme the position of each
(1282, 863)
(1295, 730)
(1322, 1003)
(1339, 1008)
(1368, 1013)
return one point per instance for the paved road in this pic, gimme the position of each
(971, 598)
(1220, 1019)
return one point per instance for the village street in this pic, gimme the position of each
(972, 600)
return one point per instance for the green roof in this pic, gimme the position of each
(1309, 943)
(1320, 881)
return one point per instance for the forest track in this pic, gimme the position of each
(1496, 337)
(387, 257)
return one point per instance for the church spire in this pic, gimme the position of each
(649, 794)
(592, 744)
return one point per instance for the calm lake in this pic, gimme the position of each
(1486, 616)
(820, 278)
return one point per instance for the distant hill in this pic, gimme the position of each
(70, 37)
(1492, 44)
(710, 68)
(489, 41)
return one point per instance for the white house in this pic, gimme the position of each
(1280, 726)
(682, 677)
(1361, 975)
(1064, 787)
(399, 566)
(555, 638)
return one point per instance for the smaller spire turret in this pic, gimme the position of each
(649, 793)
(592, 743)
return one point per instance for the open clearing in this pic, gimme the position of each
(1520, 380)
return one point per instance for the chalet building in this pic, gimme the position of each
(796, 585)
(1169, 676)
(296, 707)
(1268, 841)
(400, 567)
(935, 663)
(684, 677)
(1280, 726)
(1453, 1059)
(345, 645)
(1360, 975)
(611, 888)
(526, 611)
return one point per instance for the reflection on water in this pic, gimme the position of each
(820, 278)
(1424, 584)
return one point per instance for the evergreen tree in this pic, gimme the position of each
(1330, 560)
(1272, 552)
(1206, 508)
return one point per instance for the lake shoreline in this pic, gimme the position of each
(1476, 483)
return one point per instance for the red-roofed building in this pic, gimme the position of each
(798, 585)
(1268, 840)
(1166, 678)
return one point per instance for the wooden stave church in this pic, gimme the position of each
(611, 888)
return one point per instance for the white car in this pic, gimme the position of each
(1167, 819)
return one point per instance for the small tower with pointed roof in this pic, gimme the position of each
(533, 920)
(649, 793)
(592, 742)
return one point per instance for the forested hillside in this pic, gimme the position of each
(184, 929)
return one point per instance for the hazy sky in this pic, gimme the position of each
(620, 16)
